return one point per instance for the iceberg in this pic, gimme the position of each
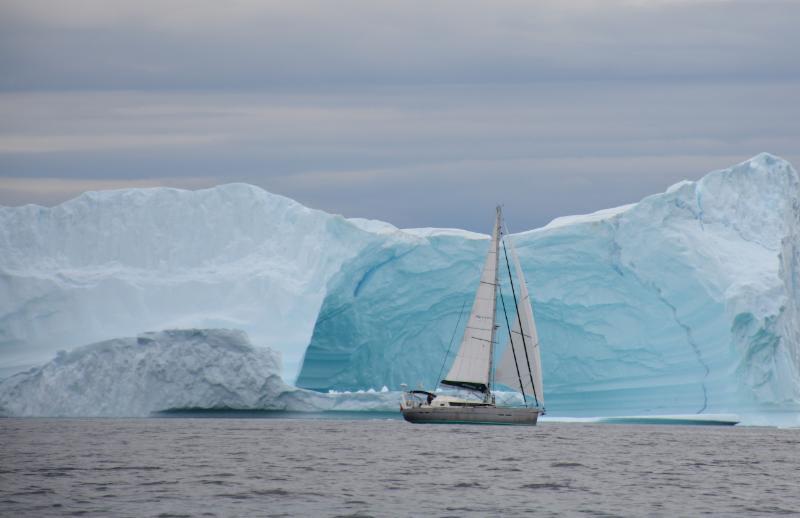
(168, 370)
(686, 302)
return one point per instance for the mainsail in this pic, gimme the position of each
(524, 344)
(472, 365)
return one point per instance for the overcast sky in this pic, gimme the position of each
(416, 112)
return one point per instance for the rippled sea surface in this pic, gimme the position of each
(381, 467)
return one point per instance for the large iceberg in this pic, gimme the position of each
(168, 370)
(688, 301)
(684, 302)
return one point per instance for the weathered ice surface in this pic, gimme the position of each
(118, 263)
(167, 370)
(684, 302)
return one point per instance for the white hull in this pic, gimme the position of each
(483, 414)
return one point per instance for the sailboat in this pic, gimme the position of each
(473, 371)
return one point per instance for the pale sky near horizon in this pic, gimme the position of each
(417, 113)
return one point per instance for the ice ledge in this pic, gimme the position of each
(374, 226)
(428, 232)
(600, 215)
(168, 370)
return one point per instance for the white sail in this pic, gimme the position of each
(524, 343)
(472, 364)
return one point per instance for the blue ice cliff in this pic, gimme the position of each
(688, 301)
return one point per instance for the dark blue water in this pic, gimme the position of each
(212, 466)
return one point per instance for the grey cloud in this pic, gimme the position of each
(317, 44)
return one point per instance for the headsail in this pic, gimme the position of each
(472, 365)
(524, 343)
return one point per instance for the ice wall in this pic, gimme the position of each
(684, 302)
(118, 263)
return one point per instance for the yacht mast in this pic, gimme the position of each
(498, 231)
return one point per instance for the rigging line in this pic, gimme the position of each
(461, 314)
(519, 320)
(511, 344)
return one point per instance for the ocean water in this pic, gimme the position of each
(184, 466)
